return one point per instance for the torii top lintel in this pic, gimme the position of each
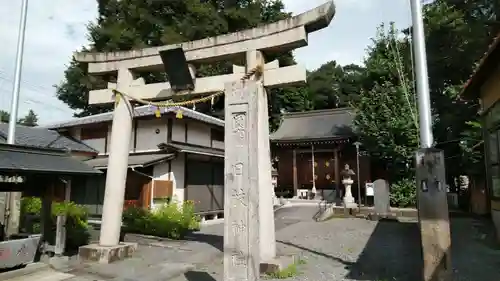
(287, 34)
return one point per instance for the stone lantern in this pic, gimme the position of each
(347, 181)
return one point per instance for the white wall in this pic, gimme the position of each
(97, 144)
(198, 134)
(147, 136)
(176, 175)
(148, 139)
(218, 144)
(178, 130)
(131, 145)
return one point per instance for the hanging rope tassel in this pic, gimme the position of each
(179, 114)
(194, 106)
(116, 96)
(158, 112)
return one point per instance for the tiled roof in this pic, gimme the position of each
(17, 158)
(141, 160)
(183, 147)
(487, 63)
(43, 138)
(316, 124)
(140, 111)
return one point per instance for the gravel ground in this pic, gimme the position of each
(356, 249)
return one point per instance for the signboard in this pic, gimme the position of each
(18, 252)
(369, 189)
(12, 179)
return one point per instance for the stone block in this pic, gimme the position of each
(277, 264)
(106, 254)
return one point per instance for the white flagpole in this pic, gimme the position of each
(17, 76)
(421, 75)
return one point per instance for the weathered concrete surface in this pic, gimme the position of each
(106, 254)
(116, 177)
(357, 249)
(286, 76)
(433, 214)
(242, 178)
(289, 33)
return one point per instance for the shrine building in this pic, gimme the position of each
(319, 143)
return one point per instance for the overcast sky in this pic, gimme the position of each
(54, 31)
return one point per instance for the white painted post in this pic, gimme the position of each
(60, 244)
(117, 165)
(266, 190)
(313, 168)
(67, 190)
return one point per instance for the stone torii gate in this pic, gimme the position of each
(249, 216)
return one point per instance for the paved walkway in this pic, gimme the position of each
(335, 250)
(356, 249)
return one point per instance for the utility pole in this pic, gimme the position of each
(13, 198)
(430, 170)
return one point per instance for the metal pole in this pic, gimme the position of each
(17, 76)
(422, 77)
(11, 199)
(430, 171)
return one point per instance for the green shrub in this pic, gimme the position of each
(77, 229)
(169, 220)
(404, 193)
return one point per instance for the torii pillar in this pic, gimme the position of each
(249, 240)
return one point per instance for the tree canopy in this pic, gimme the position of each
(381, 91)
(30, 120)
(130, 24)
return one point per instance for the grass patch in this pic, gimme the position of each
(288, 272)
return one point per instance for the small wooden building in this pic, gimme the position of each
(311, 148)
(484, 85)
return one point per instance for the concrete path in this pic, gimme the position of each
(357, 249)
(334, 250)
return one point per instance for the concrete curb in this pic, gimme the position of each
(29, 269)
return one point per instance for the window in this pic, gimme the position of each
(217, 134)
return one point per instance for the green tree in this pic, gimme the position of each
(30, 120)
(4, 116)
(457, 35)
(131, 24)
(385, 109)
(333, 85)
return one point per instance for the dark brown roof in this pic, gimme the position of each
(487, 64)
(316, 125)
(24, 159)
(43, 138)
(137, 160)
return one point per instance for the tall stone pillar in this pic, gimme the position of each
(116, 177)
(266, 190)
(241, 168)
(433, 215)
